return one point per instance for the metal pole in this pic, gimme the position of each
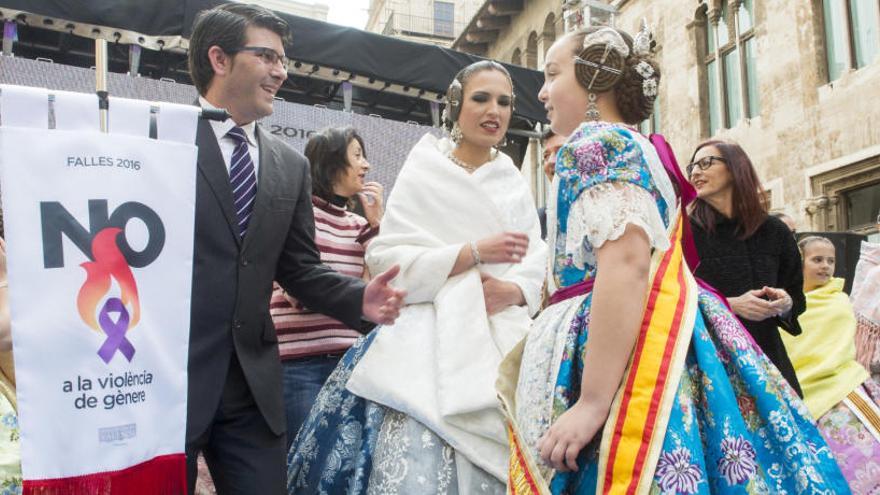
(101, 83)
(10, 33)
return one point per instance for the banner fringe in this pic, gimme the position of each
(162, 475)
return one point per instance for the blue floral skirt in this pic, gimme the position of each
(736, 426)
(349, 445)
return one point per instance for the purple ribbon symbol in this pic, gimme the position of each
(115, 332)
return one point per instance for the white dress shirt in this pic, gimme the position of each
(227, 143)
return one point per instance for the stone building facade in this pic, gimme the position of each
(795, 82)
(426, 21)
(312, 10)
(518, 32)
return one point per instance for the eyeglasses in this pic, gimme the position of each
(704, 163)
(267, 55)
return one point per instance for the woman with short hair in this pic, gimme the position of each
(310, 343)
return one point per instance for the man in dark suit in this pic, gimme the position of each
(253, 225)
(551, 142)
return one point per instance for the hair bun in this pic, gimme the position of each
(589, 72)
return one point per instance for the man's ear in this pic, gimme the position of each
(221, 62)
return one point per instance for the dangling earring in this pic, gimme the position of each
(455, 133)
(592, 108)
(502, 143)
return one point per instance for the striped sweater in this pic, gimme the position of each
(341, 237)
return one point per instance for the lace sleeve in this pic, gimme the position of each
(602, 212)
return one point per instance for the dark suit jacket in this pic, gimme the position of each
(232, 280)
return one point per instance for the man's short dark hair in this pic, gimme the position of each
(225, 26)
(547, 135)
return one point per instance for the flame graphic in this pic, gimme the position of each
(109, 262)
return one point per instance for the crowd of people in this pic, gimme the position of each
(654, 329)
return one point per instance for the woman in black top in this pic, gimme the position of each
(750, 257)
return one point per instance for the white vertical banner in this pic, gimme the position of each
(100, 241)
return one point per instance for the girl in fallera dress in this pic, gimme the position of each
(411, 408)
(841, 396)
(637, 378)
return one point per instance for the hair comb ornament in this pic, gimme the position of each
(600, 63)
(642, 41)
(649, 79)
(610, 38)
(455, 92)
(453, 102)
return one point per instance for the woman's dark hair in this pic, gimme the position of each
(326, 151)
(749, 207)
(628, 88)
(225, 26)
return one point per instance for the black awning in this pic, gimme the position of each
(366, 54)
(403, 62)
(149, 17)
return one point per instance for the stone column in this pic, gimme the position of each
(822, 212)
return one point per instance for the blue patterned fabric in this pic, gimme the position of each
(736, 426)
(334, 448)
(349, 445)
(595, 153)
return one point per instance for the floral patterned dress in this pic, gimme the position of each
(350, 445)
(735, 425)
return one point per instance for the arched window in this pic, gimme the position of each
(516, 58)
(549, 31)
(532, 51)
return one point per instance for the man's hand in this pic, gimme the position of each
(382, 302)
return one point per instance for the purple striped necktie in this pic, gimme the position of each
(242, 178)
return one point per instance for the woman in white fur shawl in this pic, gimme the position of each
(412, 408)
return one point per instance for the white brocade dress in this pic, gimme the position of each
(412, 408)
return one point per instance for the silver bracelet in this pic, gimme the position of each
(475, 253)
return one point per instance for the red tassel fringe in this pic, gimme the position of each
(868, 344)
(163, 475)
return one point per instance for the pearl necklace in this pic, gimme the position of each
(461, 163)
(467, 166)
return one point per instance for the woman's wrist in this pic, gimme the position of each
(517, 298)
(475, 253)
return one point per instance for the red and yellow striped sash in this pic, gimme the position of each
(636, 427)
(634, 433)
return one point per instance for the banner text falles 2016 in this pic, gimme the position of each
(103, 161)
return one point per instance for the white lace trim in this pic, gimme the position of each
(602, 212)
